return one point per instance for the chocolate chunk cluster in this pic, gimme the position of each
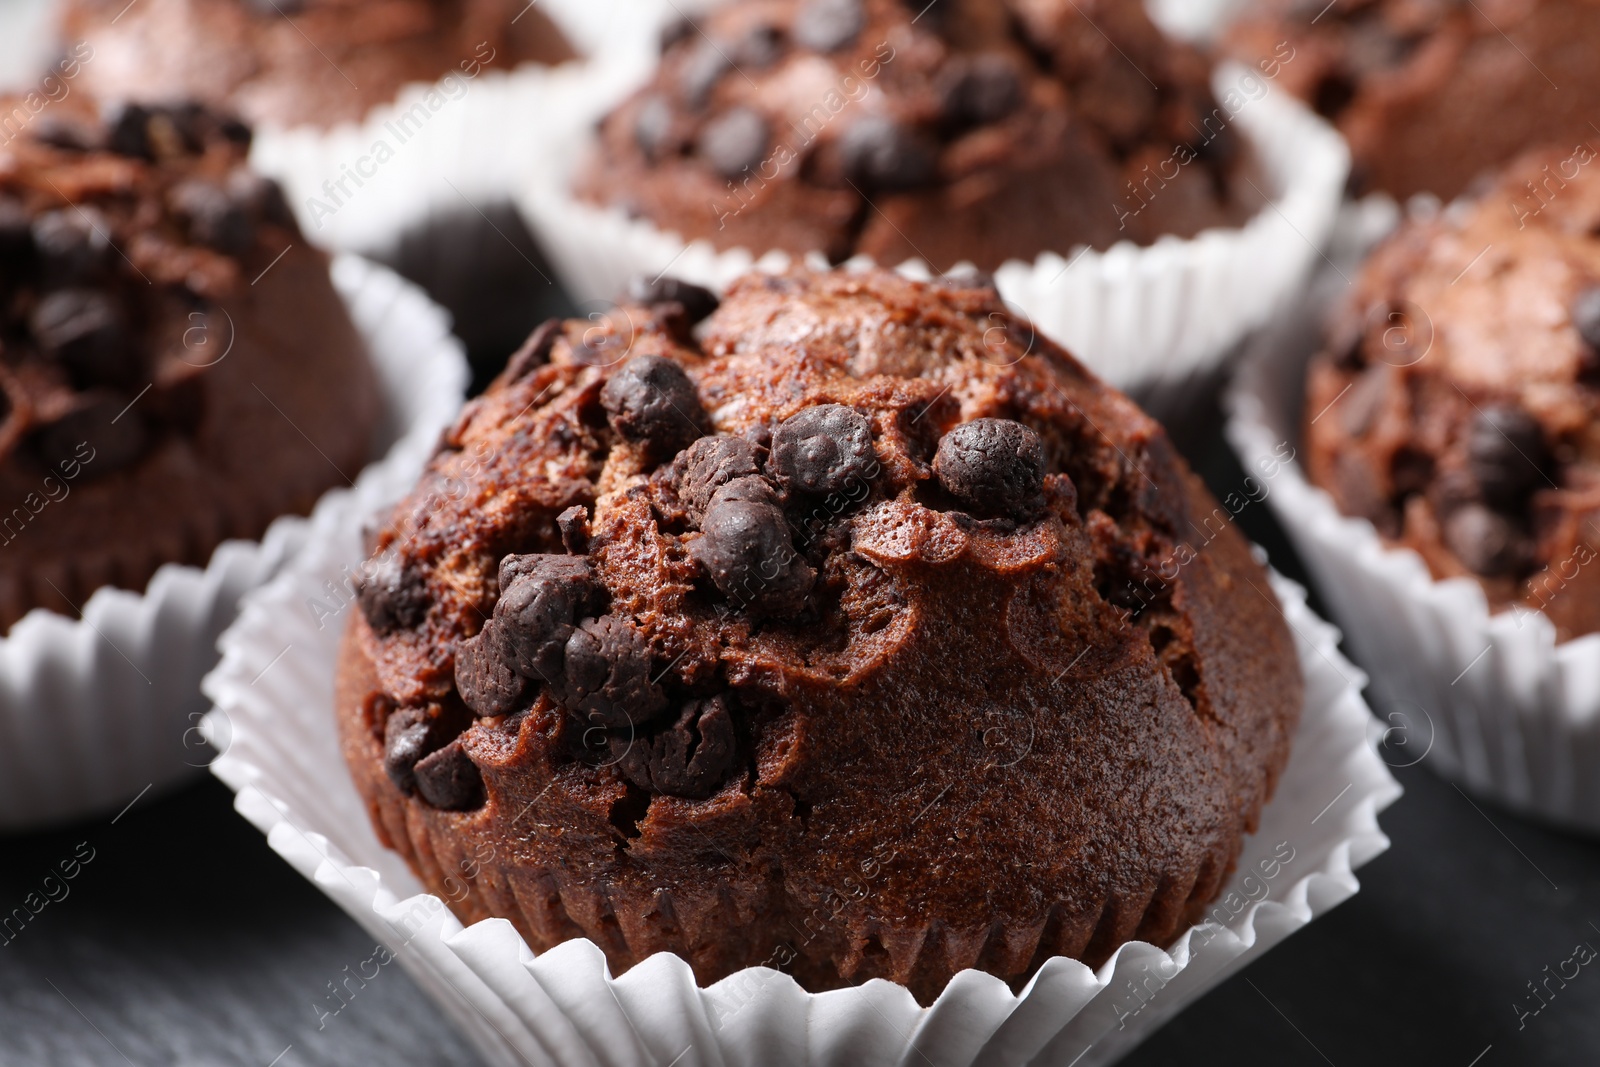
(742, 499)
(550, 632)
(100, 223)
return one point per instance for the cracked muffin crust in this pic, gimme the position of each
(299, 62)
(1460, 391)
(1433, 93)
(854, 631)
(968, 130)
(175, 366)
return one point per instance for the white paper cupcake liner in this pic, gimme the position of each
(24, 44)
(1200, 21)
(445, 148)
(95, 710)
(274, 710)
(1135, 315)
(1491, 699)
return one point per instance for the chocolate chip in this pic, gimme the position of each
(651, 402)
(980, 89)
(690, 759)
(1333, 92)
(707, 465)
(607, 681)
(394, 594)
(1586, 316)
(994, 466)
(541, 597)
(262, 197)
(574, 526)
(535, 351)
(234, 130)
(102, 433)
(73, 245)
(84, 331)
(1506, 454)
(697, 302)
(1485, 541)
(702, 71)
(735, 142)
(1411, 471)
(449, 780)
(828, 25)
(215, 219)
(408, 736)
(16, 237)
(823, 449)
(760, 47)
(128, 131)
(652, 126)
(747, 549)
(176, 128)
(484, 679)
(883, 154)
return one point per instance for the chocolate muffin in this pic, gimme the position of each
(967, 130)
(1432, 93)
(300, 62)
(855, 631)
(1457, 405)
(175, 366)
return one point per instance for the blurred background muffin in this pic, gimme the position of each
(1433, 93)
(299, 62)
(175, 365)
(1457, 404)
(962, 130)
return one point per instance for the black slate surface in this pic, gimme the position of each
(185, 941)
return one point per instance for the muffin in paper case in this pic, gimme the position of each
(94, 711)
(562, 1007)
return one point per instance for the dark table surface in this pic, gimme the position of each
(184, 941)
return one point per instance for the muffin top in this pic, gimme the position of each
(299, 62)
(967, 130)
(857, 571)
(1456, 405)
(148, 357)
(1433, 93)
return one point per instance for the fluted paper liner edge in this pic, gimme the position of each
(563, 1007)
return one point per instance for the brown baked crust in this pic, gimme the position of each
(1433, 93)
(1102, 106)
(236, 389)
(1456, 320)
(299, 62)
(982, 744)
